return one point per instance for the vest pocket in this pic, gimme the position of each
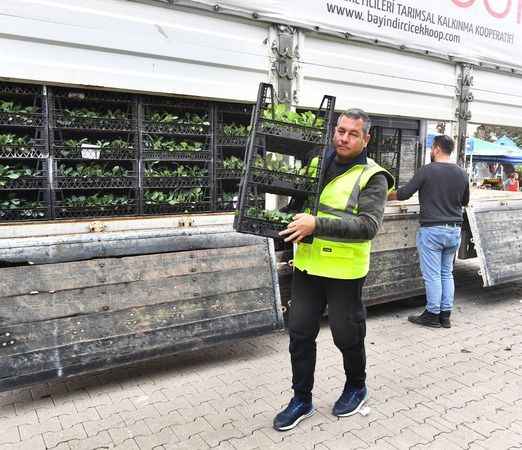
(331, 250)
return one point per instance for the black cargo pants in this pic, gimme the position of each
(347, 318)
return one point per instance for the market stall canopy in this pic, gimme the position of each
(504, 150)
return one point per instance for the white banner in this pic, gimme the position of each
(478, 30)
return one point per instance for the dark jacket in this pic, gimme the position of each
(372, 201)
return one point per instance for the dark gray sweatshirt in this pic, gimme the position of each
(443, 191)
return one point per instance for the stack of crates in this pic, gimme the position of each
(280, 145)
(24, 180)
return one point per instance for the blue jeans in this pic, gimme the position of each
(437, 247)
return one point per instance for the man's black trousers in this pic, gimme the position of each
(346, 315)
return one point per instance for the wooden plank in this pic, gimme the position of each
(56, 249)
(29, 308)
(393, 275)
(49, 334)
(108, 353)
(396, 233)
(84, 274)
(496, 234)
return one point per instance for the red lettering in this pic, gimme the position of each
(496, 14)
(491, 11)
(465, 4)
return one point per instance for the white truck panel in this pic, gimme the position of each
(497, 98)
(128, 46)
(378, 80)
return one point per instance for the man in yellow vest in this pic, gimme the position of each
(331, 270)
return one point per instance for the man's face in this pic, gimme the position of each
(349, 138)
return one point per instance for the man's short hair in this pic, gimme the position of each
(445, 143)
(356, 113)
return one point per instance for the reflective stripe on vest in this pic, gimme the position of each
(336, 257)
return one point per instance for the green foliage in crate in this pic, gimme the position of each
(91, 170)
(164, 144)
(12, 139)
(28, 207)
(102, 144)
(282, 113)
(13, 172)
(15, 108)
(232, 163)
(173, 198)
(95, 200)
(273, 216)
(179, 118)
(175, 171)
(88, 113)
(275, 162)
(233, 129)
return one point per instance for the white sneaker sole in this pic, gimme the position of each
(356, 410)
(300, 419)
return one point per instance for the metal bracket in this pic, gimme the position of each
(285, 66)
(463, 112)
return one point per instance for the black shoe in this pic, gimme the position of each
(350, 402)
(444, 319)
(296, 411)
(427, 319)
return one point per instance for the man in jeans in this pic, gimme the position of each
(443, 192)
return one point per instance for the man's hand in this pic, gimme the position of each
(303, 225)
(392, 195)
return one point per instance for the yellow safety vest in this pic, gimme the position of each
(339, 258)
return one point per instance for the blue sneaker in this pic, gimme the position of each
(350, 402)
(296, 411)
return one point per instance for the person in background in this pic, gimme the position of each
(332, 269)
(512, 183)
(443, 192)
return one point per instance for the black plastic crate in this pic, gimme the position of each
(191, 207)
(19, 89)
(27, 175)
(34, 149)
(24, 183)
(228, 174)
(62, 211)
(176, 200)
(287, 139)
(176, 116)
(259, 227)
(116, 182)
(21, 106)
(224, 204)
(172, 182)
(231, 141)
(177, 129)
(201, 155)
(85, 96)
(92, 154)
(24, 214)
(62, 120)
(86, 204)
(24, 205)
(172, 149)
(291, 138)
(77, 146)
(18, 119)
(283, 183)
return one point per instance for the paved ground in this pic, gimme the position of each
(429, 389)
